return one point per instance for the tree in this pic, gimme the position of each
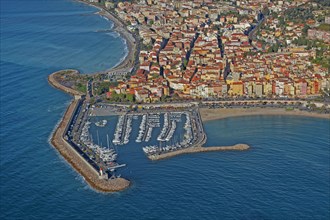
(130, 97)
(185, 62)
(305, 29)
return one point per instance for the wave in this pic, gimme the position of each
(67, 103)
(125, 53)
(113, 34)
(53, 108)
(103, 31)
(107, 19)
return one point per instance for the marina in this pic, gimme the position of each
(51, 170)
(156, 132)
(167, 132)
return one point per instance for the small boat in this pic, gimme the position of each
(101, 123)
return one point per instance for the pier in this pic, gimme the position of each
(192, 137)
(191, 141)
(97, 164)
(199, 149)
(64, 140)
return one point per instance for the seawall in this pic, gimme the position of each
(89, 173)
(237, 147)
(53, 82)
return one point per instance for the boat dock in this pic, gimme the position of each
(193, 133)
(168, 120)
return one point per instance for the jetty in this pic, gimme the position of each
(91, 172)
(199, 149)
(96, 163)
(53, 79)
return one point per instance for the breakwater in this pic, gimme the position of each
(54, 82)
(75, 159)
(199, 149)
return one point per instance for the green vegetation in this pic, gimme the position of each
(251, 53)
(289, 108)
(147, 47)
(322, 2)
(185, 62)
(299, 14)
(230, 12)
(165, 98)
(155, 76)
(323, 61)
(81, 87)
(302, 41)
(266, 11)
(273, 48)
(305, 30)
(121, 97)
(324, 27)
(103, 87)
(322, 48)
(310, 43)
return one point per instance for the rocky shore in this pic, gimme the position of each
(237, 147)
(90, 175)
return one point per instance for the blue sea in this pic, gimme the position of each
(285, 175)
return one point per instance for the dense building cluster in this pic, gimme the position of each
(204, 49)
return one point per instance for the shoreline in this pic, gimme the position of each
(76, 161)
(222, 113)
(127, 62)
(80, 165)
(90, 174)
(199, 149)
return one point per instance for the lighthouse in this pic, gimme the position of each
(101, 171)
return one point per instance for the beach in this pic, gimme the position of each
(128, 62)
(221, 113)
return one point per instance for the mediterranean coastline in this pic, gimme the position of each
(72, 156)
(57, 129)
(93, 176)
(173, 136)
(79, 163)
(127, 63)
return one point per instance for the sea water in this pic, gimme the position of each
(285, 174)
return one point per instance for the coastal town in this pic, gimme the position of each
(206, 49)
(190, 62)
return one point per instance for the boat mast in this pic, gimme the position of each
(98, 139)
(108, 141)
